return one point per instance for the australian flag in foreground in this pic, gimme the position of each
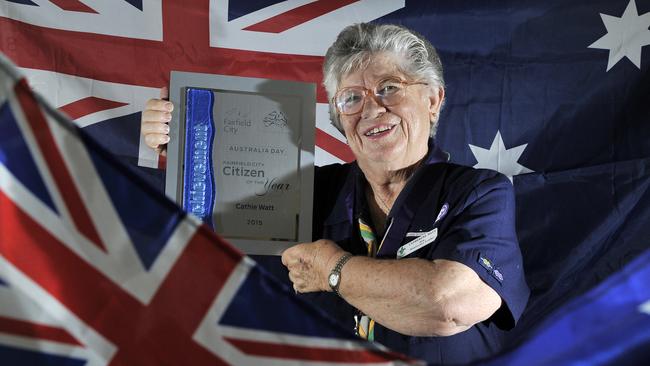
(609, 325)
(99, 269)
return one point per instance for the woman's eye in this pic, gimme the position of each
(388, 89)
(352, 99)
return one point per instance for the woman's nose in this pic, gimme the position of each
(372, 107)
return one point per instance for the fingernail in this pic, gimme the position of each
(166, 129)
(168, 116)
(165, 139)
(169, 106)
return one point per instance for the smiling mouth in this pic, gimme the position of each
(377, 130)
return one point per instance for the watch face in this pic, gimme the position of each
(334, 279)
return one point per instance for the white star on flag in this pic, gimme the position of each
(625, 36)
(498, 158)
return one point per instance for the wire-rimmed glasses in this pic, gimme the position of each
(387, 92)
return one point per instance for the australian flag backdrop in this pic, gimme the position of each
(554, 94)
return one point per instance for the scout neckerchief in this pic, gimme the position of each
(364, 326)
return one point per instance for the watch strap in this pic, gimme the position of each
(337, 270)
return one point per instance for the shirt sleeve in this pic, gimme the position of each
(480, 233)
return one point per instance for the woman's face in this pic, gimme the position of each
(389, 137)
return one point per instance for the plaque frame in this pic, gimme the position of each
(306, 92)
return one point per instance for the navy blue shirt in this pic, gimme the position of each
(445, 211)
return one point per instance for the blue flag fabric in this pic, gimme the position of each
(609, 325)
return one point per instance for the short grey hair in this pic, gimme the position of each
(357, 43)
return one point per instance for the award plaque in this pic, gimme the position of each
(241, 157)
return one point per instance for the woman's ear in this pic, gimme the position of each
(436, 98)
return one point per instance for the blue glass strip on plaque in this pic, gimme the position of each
(198, 175)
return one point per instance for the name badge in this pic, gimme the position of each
(423, 240)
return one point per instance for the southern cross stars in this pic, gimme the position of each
(499, 158)
(625, 36)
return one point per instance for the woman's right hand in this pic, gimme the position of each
(154, 124)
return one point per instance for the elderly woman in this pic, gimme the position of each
(424, 251)
(414, 252)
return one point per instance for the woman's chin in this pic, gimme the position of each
(387, 157)
(391, 157)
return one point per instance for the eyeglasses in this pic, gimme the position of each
(387, 92)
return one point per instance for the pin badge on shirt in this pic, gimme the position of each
(490, 267)
(443, 212)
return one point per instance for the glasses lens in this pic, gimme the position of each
(390, 91)
(350, 100)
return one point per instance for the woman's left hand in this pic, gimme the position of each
(309, 264)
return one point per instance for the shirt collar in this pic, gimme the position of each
(435, 154)
(352, 190)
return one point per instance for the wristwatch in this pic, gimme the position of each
(334, 278)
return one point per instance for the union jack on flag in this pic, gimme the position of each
(101, 60)
(99, 269)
